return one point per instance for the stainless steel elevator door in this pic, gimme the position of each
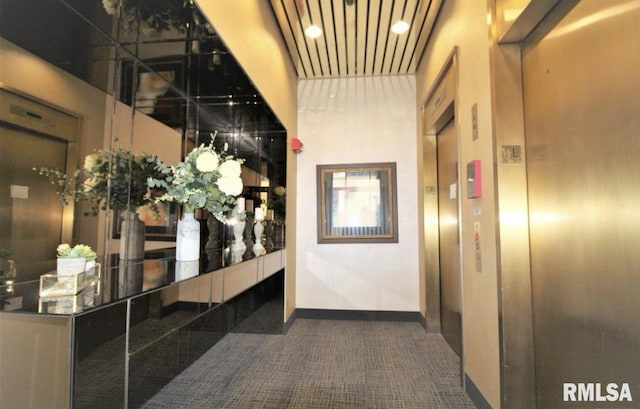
(582, 112)
(30, 213)
(450, 274)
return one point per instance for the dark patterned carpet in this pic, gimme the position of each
(322, 364)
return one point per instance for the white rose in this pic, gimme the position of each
(207, 162)
(90, 161)
(230, 169)
(231, 186)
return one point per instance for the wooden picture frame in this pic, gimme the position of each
(357, 203)
(162, 227)
(159, 89)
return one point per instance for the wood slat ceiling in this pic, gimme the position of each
(356, 35)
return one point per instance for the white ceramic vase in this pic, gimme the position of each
(187, 269)
(188, 238)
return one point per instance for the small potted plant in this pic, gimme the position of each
(74, 260)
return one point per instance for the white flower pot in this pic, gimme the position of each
(67, 267)
(70, 266)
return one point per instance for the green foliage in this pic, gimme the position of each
(114, 179)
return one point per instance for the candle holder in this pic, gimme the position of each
(258, 228)
(238, 247)
(238, 221)
(278, 234)
(268, 235)
(248, 241)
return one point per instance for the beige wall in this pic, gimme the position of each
(35, 361)
(33, 77)
(140, 133)
(249, 30)
(463, 24)
(357, 120)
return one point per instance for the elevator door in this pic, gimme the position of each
(450, 274)
(30, 212)
(583, 144)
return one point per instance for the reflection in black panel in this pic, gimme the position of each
(152, 317)
(61, 36)
(161, 57)
(260, 309)
(99, 361)
(153, 367)
(167, 348)
(160, 360)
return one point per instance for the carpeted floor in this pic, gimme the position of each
(322, 364)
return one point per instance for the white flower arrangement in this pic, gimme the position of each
(204, 179)
(78, 251)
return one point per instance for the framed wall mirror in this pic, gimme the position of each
(357, 203)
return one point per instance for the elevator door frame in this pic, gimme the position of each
(440, 108)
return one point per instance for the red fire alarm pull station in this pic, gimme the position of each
(296, 145)
(474, 179)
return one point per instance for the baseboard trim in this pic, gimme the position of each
(287, 324)
(474, 394)
(357, 315)
(423, 322)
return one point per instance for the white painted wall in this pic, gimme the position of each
(30, 75)
(357, 120)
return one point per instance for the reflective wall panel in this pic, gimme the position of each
(581, 104)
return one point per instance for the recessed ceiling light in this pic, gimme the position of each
(313, 31)
(400, 27)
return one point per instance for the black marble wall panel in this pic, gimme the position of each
(99, 361)
(162, 347)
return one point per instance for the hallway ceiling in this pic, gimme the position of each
(356, 35)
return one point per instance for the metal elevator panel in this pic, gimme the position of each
(450, 272)
(582, 105)
(30, 212)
